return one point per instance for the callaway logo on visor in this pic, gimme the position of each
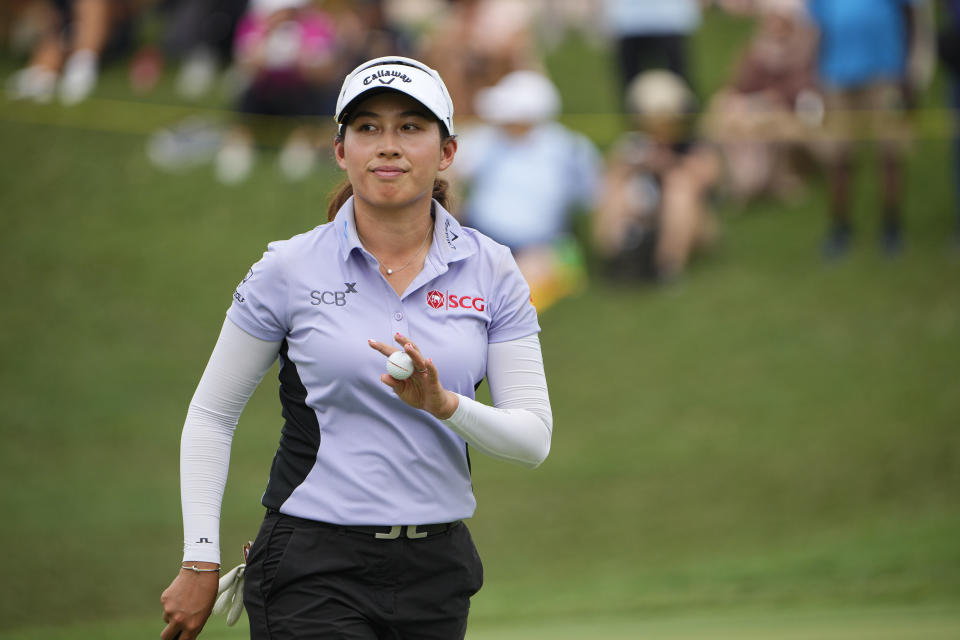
(387, 77)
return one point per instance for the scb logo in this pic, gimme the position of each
(338, 298)
(437, 300)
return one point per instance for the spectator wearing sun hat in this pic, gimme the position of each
(526, 176)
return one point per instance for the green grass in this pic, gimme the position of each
(916, 623)
(770, 449)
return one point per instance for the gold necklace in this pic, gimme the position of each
(390, 271)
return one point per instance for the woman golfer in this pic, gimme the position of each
(363, 535)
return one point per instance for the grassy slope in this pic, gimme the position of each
(773, 433)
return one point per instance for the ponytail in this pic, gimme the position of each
(338, 198)
(441, 193)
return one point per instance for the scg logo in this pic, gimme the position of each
(435, 299)
(438, 300)
(465, 302)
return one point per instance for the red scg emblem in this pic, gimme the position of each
(435, 299)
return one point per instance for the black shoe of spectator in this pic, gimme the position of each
(837, 243)
(891, 240)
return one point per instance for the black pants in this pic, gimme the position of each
(636, 54)
(309, 580)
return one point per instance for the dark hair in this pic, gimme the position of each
(343, 191)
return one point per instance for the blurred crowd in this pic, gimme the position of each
(815, 78)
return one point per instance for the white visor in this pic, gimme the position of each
(394, 73)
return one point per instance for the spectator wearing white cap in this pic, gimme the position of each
(654, 213)
(526, 177)
(363, 535)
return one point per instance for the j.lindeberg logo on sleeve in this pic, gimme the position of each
(335, 298)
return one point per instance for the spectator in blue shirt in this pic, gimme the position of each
(949, 48)
(526, 177)
(862, 61)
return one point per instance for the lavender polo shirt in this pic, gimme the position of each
(351, 452)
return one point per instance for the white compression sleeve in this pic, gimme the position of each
(236, 366)
(519, 426)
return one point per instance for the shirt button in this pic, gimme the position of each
(398, 316)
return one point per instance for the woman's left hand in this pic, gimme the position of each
(422, 390)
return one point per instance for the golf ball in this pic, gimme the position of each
(400, 365)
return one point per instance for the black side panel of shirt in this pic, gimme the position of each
(299, 438)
